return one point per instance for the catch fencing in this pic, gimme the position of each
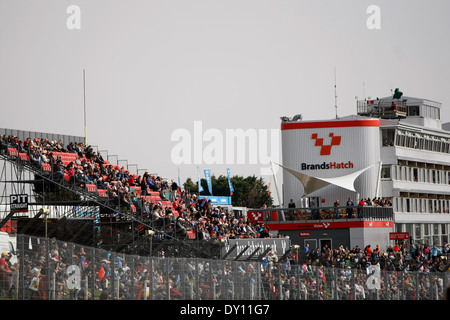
(67, 271)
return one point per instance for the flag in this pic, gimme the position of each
(179, 180)
(200, 189)
(268, 192)
(208, 180)
(229, 182)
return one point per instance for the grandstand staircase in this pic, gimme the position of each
(133, 239)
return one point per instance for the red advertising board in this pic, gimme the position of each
(191, 234)
(398, 235)
(304, 234)
(262, 216)
(255, 216)
(330, 225)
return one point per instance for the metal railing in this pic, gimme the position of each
(52, 270)
(325, 213)
(381, 108)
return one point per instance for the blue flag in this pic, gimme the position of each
(200, 188)
(229, 182)
(208, 180)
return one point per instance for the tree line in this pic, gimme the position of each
(249, 192)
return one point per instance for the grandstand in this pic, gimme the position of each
(117, 209)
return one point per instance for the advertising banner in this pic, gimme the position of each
(277, 246)
(229, 182)
(219, 200)
(208, 180)
(200, 188)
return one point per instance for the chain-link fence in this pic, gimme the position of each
(345, 283)
(52, 270)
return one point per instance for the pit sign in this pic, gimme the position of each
(19, 202)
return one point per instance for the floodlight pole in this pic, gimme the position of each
(84, 103)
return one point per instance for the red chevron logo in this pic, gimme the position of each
(325, 149)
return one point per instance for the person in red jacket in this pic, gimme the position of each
(368, 251)
(361, 204)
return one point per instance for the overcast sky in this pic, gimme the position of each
(154, 67)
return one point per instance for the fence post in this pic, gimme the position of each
(21, 276)
(91, 267)
(53, 283)
(150, 289)
(182, 279)
(197, 279)
(436, 291)
(15, 294)
(86, 287)
(353, 284)
(299, 296)
(280, 286)
(145, 291)
(47, 265)
(191, 290)
(386, 285)
(133, 285)
(417, 285)
(260, 285)
(166, 265)
(211, 272)
(113, 276)
(117, 288)
(233, 277)
(333, 288)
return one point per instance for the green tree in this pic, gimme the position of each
(190, 186)
(249, 192)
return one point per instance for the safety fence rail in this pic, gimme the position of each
(47, 269)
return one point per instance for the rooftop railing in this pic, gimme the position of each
(382, 108)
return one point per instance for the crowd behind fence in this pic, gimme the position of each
(47, 269)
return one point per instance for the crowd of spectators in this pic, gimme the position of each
(184, 213)
(415, 273)
(396, 257)
(406, 274)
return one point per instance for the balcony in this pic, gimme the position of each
(273, 215)
(385, 109)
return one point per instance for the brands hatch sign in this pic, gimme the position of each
(327, 165)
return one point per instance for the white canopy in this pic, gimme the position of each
(312, 184)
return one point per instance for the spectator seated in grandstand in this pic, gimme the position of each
(36, 157)
(57, 169)
(112, 193)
